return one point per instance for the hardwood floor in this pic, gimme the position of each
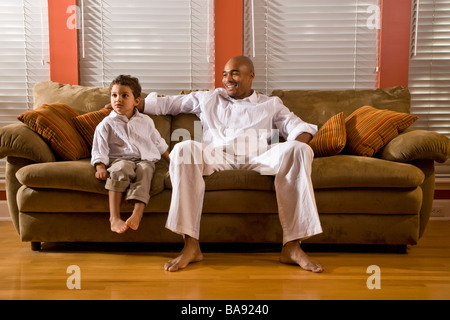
(137, 272)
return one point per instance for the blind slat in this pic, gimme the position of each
(312, 44)
(166, 44)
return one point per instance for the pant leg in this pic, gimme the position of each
(121, 173)
(189, 162)
(140, 187)
(291, 163)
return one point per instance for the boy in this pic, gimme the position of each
(128, 143)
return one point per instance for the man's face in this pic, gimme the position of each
(237, 80)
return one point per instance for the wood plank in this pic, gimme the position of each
(137, 272)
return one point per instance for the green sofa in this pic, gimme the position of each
(385, 199)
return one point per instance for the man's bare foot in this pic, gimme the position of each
(118, 225)
(134, 221)
(190, 253)
(293, 254)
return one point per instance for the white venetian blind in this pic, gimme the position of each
(24, 57)
(312, 44)
(167, 44)
(429, 67)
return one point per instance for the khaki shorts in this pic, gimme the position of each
(134, 177)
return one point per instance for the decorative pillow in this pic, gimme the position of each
(331, 137)
(53, 122)
(369, 129)
(87, 122)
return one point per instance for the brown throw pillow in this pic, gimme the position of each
(369, 129)
(53, 122)
(331, 137)
(86, 123)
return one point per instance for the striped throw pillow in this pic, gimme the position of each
(331, 137)
(53, 122)
(86, 123)
(369, 129)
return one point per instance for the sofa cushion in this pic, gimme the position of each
(53, 123)
(369, 129)
(317, 106)
(77, 175)
(331, 137)
(82, 99)
(340, 171)
(349, 171)
(413, 144)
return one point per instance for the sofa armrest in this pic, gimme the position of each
(17, 140)
(415, 144)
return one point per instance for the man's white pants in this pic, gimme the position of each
(289, 161)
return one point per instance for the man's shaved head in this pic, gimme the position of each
(238, 75)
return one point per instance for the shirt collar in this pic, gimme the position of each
(253, 98)
(114, 114)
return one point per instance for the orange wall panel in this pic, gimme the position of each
(228, 33)
(63, 44)
(394, 43)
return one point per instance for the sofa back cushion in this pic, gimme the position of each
(82, 99)
(317, 106)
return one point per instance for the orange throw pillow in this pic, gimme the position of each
(369, 129)
(86, 123)
(53, 122)
(331, 137)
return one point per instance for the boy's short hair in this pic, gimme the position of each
(127, 80)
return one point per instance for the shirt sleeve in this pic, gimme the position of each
(289, 124)
(100, 146)
(173, 105)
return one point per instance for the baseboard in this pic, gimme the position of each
(4, 212)
(441, 209)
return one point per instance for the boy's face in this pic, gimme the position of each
(123, 101)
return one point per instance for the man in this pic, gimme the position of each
(226, 115)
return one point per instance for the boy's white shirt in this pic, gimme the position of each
(132, 139)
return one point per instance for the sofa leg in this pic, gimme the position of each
(35, 246)
(401, 248)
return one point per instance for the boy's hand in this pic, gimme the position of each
(101, 173)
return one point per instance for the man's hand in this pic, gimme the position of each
(304, 137)
(101, 173)
(108, 106)
(141, 105)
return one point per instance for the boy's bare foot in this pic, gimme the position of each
(293, 254)
(134, 221)
(190, 253)
(118, 225)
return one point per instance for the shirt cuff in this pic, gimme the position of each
(151, 103)
(303, 128)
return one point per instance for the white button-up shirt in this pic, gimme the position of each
(131, 139)
(227, 121)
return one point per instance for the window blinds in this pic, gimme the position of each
(24, 57)
(429, 67)
(167, 44)
(310, 44)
